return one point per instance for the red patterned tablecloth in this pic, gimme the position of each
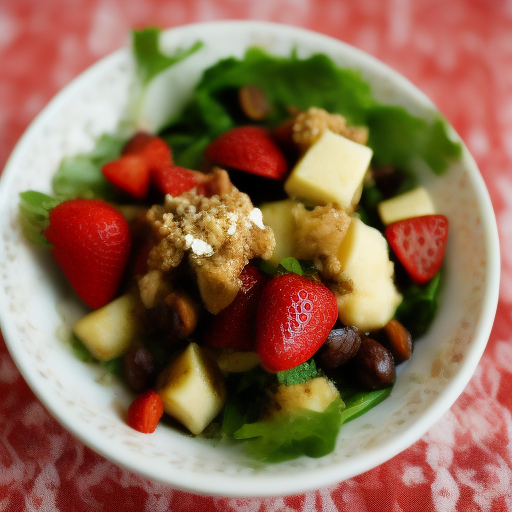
(460, 54)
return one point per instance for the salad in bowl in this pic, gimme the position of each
(256, 250)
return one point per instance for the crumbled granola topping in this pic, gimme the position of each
(218, 234)
(309, 126)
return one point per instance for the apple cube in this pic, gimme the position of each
(331, 171)
(314, 395)
(192, 389)
(364, 258)
(278, 216)
(108, 332)
(414, 203)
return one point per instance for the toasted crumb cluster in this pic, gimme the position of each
(219, 235)
(309, 125)
(318, 234)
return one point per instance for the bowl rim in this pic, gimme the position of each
(260, 485)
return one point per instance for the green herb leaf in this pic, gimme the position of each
(299, 374)
(363, 401)
(287, 437)
(34, 215)
(150, 60)
(289, 265)
(420, 305)
(80, 175)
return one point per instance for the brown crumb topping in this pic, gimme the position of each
(218, 235)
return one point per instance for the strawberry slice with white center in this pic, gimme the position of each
(419, 244)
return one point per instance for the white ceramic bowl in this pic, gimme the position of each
(36, 307)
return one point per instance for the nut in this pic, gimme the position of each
(253, 102)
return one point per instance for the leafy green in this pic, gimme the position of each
(289, 265)
(397, 137)
(299, 374)
(290, 436)
(150, 60)
(420, 305)
(80, 175)
(34, 215)
(361, 401)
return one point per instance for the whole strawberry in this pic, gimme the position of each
(294, 318)
(91, 244)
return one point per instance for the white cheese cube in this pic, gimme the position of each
(331, 171)
(415, 203)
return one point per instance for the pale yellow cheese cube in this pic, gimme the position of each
(331, 171)
(278, 216)
(108, 332)
(364, 258)
(192, 389)
(414, 203)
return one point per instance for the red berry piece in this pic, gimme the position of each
(294, 317)
(153, 149)
(176, 180)
(91, 244)
(250, 149)
(235, 326)
(130, 174)
(145, 412)
(419, 244)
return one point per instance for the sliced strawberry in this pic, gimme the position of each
(153, 149)
(176, 180)
(145, 412)
(91, 244)
(234, 327)
(250, 149)
(129, 173)
(419, 244)
(294, 317)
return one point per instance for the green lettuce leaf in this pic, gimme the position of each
(396, 137)
(287, 437)
(80, 175)
(299, 374)
(148, 57)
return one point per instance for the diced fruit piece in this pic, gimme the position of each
(234, 326)
(234, 361)
(250, 149)
(145, 412)
(419, 244)
(294, 318)
(331, 171)
(192, 389)
(91, 244)
(278, 216)
(130, 174)
(176, 180)
(152, 149)
(109, 331)
(314, 395)
(414, 203)
(364, 258)
(374, 365)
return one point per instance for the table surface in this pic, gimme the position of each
(459, 53)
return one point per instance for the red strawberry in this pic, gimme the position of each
(176, 180)
(419, 244)
(153, 149)
(129, 173)
(295, 315)
(145, 412)
(91, 244)
(234, 327)
(250, 149)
